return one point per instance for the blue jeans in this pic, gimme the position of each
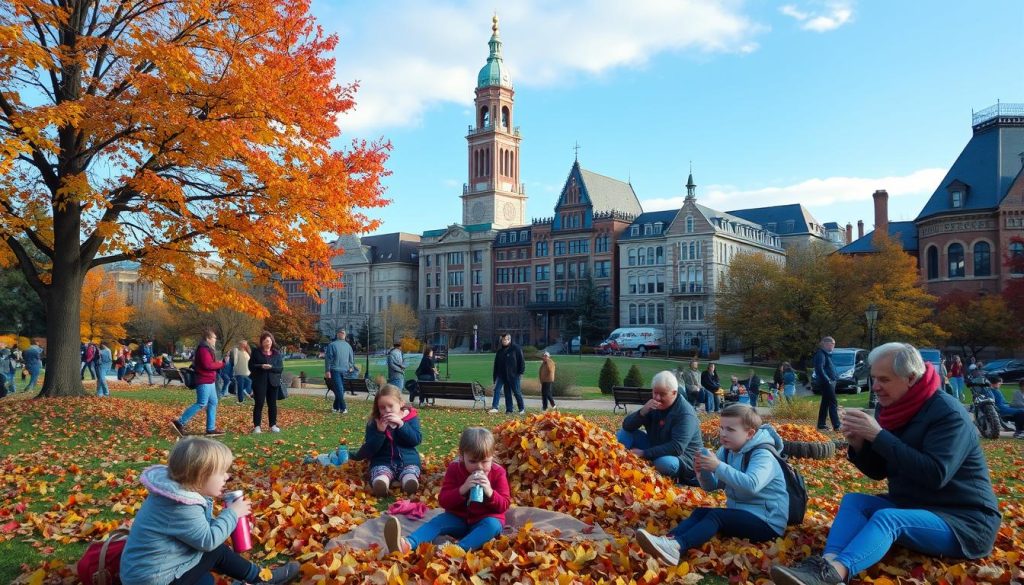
(101, 380)
(789, 391)
(866, 527)
(243, 386)
(339, 389)
(471, 536)
(510, 389)
(704, 523)
(667, 465)
(397, 380)
(33, 376)
(148, 367)
(957, 384)
(206, 396)
(709, 399)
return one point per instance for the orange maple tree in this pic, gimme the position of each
(104, 309)
(184, 134)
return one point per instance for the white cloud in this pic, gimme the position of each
(831, 15)
(818, 194)
(410, 55)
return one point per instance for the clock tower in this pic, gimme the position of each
(494, 193)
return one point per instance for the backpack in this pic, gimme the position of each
(188, 378)
(795, 486)
(101, 563)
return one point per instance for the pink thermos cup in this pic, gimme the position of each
(241, 537)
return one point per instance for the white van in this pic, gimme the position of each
(640, 339)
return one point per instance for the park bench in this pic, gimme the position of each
(360, 385)
(171, 375)
(429, 391)
(624, 395)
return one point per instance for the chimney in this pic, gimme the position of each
(849, 232)
(881, 198)
(860, 228)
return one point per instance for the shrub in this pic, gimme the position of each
(564, 384)
(609, 377)
(634, 378)
(531, 352)
(796, 410)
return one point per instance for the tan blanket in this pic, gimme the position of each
(564, 526)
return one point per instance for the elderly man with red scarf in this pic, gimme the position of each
(940, 500)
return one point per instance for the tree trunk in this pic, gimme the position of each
(63, 306)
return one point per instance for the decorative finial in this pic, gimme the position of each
(494, 23)
(577, 149)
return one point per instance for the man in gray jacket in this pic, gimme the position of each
(396, 367)
(339, 363)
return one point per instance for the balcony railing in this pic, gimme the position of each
(473, 130)
(690, 290)
(488, 185)
(996, 111)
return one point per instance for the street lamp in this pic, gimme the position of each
(580, 323)
(366, 375)
(476, 347)
(871, 316)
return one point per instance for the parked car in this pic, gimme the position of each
(852, 370)
(1009, 370)
(641, 339)
(298, 355)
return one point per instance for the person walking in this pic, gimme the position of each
(265, 367)
(396, 366)
(243, 383)
(825, 384)
(339, 363)
(509, 366)
(206, 365)
(547, 380)
(103, 362)
(33, 359)
(956, 378)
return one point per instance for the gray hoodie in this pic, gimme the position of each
(761, 489)
(172, 530)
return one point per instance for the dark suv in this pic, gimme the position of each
(852, 370)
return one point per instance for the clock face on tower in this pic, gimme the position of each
(510, 211)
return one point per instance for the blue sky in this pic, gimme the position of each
(799, 101)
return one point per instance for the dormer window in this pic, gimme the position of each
(957, 190)
(634, 230)
(502, 238)
(647, 229)
(657, 227)
(957, 199)
(512, 237)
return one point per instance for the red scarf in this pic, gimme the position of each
(900, 412)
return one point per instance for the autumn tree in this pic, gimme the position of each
(296, 326)
(176, 133)
(104, 309)
(976, 322)
(1013, 292)
(395, 323)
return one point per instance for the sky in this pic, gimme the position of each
(812, 102)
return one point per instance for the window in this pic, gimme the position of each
(503, 238)
(582, 270)
(501, 255)
(477, 299)
(632, 257)
(455, 278)
(456, 300)
(560, 271)
(559, 248)
(543, 272)
(579, 246)
(657, 227)
(770, 226)
(559, 294)
(604, 294)
(659, 280)
(602, 268)
(650, 255)
(572, 270)
(634, 230)
(642, 315)
(541, 249)
(512, 237)
(1016, 251)
(790, 225)
(478, 277)
(454, 257)
(659, 255)
(601, 243)
(647, 229)
(958, 199)
(982, 259)
(428, 280)
(478, 256)
(428, 301)
(427, 259)
(955, 253)
(632, 285)
(523, 236)
(933, 263)
(632, 314)
(689, 224)
(542, 295)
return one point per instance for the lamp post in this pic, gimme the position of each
(366, 374)
(476, 346)
(580, 323)
(871, 316)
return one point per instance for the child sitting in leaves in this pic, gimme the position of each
(474, 495)
(757, 503)
(175, 540)
(392, 434)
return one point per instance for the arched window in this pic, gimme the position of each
(955, 253)
(659, 255)
(933, 263)
(487, 162)
(642, 317)
(504, 117)
(689, 224)
(1016, 251)
(632, 313)
(650, 255)
(698, 279)
(485, 117)
(632, 285)
(982, 259)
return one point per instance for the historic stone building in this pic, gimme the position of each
(672, 263)
(794, 225)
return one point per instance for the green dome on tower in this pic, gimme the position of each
(494, 73)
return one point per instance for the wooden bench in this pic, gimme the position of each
(430, 391)
(358, 385)
(171, 375)
(628, 395)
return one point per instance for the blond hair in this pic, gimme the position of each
(476, 442)
(385, 390)
(746, 414)
(194, 459)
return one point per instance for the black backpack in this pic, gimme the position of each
(795, 485)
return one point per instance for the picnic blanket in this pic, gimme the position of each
(564, 526)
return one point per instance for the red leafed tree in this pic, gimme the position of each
(1013, 292)
(183, 134)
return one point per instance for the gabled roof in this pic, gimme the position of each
(987, 165)
(394, 247)
(904, 232)
(780, 215)
(713, 214)
(651, 217)
(606, 193)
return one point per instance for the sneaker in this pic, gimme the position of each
(410, 484)
(275, 429)
(283, 574)
(523, 411)
(814, 570)
(343, 411)
(256, 430)
(393, 536)
(380, 486)
(215, 433)
(493, 411)
(663, 548)
(178, 427)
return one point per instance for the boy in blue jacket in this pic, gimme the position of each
(757, 503)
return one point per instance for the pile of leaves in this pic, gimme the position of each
(787, 430)
(559, 462)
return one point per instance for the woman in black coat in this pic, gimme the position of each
(265, 367)
(425, 372)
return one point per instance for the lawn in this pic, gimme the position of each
(70, 467)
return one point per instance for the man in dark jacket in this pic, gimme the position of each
(671, 437)
(509, 366)
(825, 383)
